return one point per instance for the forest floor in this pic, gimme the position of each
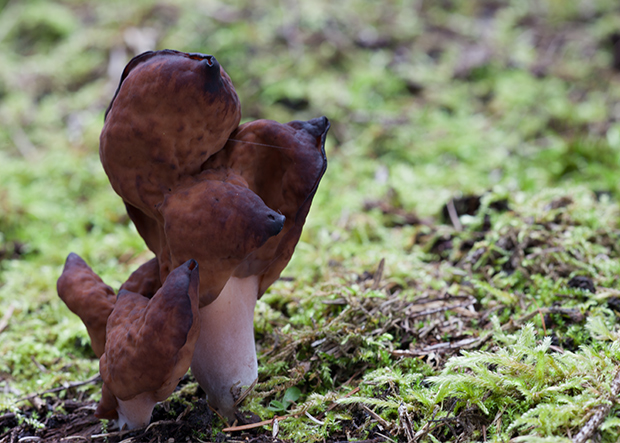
(458, 275)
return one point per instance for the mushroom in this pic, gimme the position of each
(199, 187)
(217, 221)
(149, 347)
(144, 280)
(282, 164)
(87, 296)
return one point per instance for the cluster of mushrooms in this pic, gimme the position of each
(220, 205)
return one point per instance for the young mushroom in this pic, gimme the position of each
(149, 347)
(282, 164)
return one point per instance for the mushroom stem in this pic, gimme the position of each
(225, 355)
(135, 413)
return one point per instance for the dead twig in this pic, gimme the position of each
(183, 414)
(543, 252)
(91, 380)
(159, 423)
(123, 432)
(446, 307)
(257, 425)
(376, 416)
(601, 413)
(112, 434)
(245, 393)
(405, 422)
(216, 412)
(314, 419)
(466, 343)
(378, 275)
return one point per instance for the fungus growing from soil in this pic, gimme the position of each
(149, 347)
(199, 187)
(282, 164)
(145, 340)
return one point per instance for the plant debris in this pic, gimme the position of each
(458, 275)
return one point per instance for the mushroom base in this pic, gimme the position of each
(225, 356)
(135, 413)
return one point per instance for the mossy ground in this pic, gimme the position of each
(457, 278)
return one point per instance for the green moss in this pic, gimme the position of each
(511, 102)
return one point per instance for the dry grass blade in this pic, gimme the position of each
(245, 393)
(378, 275)
(256, 425)
(112, 434)
(4, 322)
(454, 217)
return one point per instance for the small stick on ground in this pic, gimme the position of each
(599, 416)
(159, 423)
(91, 380)
(113, 434)
(376, 416)
(216, 412)
(378, 275)
(256, 425)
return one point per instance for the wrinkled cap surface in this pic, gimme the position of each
(219, 222)
(283, 164)
(150, 343)
(198, 186)
(171, 111)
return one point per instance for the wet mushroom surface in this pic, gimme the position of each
(401, 315)
(225, 200)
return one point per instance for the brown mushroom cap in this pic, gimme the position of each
(150, 343)
(213, 218)
(161, 147)
(144, 280)
(283, 164)
(87, 296)
(217, 222)
(172, 110)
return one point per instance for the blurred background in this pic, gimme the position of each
(429, 100)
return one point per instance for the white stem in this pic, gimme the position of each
(135, 413)
(225, 355)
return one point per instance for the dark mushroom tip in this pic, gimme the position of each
(74, 260)
(87, 296)
(317, 127)
(210, 62)
(276, 223)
